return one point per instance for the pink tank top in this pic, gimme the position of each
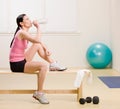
(18, 49)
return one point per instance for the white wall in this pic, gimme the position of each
(94, 23)
(115, 25)
(69, 46)
(12, 8)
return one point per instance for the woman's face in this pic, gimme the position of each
(26, 22)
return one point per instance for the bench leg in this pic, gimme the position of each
(79, 92)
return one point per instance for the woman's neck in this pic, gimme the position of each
(25, 29)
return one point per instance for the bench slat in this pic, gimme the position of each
(58, 91)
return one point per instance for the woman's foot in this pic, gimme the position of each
(40, 97)
(55, 66)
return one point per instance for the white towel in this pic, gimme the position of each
(80, 75)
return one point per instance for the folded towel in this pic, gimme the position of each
(80, 75)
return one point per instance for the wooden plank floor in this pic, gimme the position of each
(109, 98)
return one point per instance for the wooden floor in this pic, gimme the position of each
(109, 98)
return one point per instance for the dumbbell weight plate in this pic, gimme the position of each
(95, 100)
(88, 99)
(82, 101)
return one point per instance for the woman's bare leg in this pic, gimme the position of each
(31, 67)
(37, 48)
(42, 68)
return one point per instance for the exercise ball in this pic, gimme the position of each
(99, 55)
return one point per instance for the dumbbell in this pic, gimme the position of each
(89, 100)
(82, 100)
(95, 100)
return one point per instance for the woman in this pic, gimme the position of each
(21, 57)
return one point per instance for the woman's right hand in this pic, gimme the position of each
(48, 53)
(36, 24)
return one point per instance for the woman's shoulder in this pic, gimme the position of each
(19, 32)
(22, 33)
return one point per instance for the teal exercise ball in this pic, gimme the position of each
(99, 55)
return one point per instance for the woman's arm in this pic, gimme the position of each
(36, 39)
(38, 35)
(26, 35)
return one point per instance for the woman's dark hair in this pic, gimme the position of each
(18, 20)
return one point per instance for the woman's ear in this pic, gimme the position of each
(21, 23)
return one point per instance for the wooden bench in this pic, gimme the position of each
(7, 75)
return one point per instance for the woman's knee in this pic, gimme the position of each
(44, 67)
(37, 46)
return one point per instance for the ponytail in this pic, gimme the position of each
(18, 20)
(18, 28)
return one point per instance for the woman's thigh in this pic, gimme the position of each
(32, 50)
(32, 67)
